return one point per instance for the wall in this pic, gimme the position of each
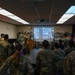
(23, 28)
(12, 30)
(61, 29)
(9, 29)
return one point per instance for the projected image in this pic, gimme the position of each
(36, 33)
(43, 33)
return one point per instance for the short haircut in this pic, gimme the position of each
(45, 44)
(6, 37)
(2, 35)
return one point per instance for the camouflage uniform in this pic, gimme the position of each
(5, 51)
(23, 68)
(26, 48)
(6, 46)
(69, 64)
(59, 64)
(45, 62)
(1, 39)
(2, 55)
(66, 41)
(69, 49)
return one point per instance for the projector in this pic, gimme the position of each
(42, 20)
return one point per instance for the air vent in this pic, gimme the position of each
(31, 0)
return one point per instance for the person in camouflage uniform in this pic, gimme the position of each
(65, 40)
(61, 54)
(26, 46)
(2, 55)
(2, 37)
(70, 48)
(46, 60)
(5, 51)
(16, 64)
(6, 45)
(69, 64)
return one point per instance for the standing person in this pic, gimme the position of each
(2, 55)
(17, 64)
(45, 60)
(61, 54)
(69, 64)
(26, 45)
(33, 54)
(6, 45)
(5, 50)
(26, 35)
(66, 40)
(61, 45)
(70, 48)
(2, 37)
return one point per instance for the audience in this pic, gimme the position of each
(16, 64)
(55, 58)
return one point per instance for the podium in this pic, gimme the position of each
(31, 44)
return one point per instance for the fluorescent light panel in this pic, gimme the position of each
(24, 22)
(59, 22)
(67, 16)
(5, 13)
(71, 10)
(62, 19)
(12, 16)
(70, 13)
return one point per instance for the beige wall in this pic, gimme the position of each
(12, 30)
(9, 29)
(61, 29)
(23, 28)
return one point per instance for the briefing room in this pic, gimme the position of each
(37, 37)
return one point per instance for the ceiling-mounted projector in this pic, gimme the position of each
(42, 20)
